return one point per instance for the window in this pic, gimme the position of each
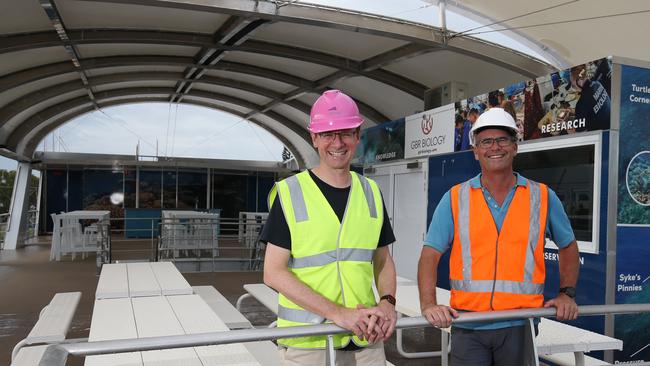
(150, 189)
(192, 189)
(169, 188)
(571, 167)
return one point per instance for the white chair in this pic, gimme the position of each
(71, 236)
(91, 240)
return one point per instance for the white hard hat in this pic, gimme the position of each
(493, 117)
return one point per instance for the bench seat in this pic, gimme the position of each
(222, 307)
(568, 359)
(51, 327)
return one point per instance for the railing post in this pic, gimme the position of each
(530, 349)
(331, 352)
(153, 247)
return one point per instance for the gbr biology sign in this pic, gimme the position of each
(430, 132)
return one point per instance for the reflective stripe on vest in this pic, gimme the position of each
(299, 315)
(512, 287)
(297, 199)
(344, 254)
(370, 197)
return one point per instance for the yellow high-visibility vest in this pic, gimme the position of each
(332, 258)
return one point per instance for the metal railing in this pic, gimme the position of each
(4, 219)
(207, 244)
(56, 355)
(32, 226)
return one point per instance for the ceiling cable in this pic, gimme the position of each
(466, 32)
(261, 140)
(410, 10)
(126, 128)
(563, 22)
(209, 138)
(169, 117)
(174, 131)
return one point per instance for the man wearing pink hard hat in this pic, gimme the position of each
(328, 234)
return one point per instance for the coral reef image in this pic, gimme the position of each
(638, 178)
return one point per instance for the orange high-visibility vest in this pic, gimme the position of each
(490, 270)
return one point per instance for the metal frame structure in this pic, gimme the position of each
(53, 91)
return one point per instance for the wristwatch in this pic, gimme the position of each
(390, 298)
(569, 291)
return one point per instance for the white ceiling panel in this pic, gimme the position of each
(293, 114)
(218, 103)
(308, 98)
(118, 49)
(433, 69)
(135, 84)
(389, 101)
(607, 27)
(128, 69)
(95, 14)
(27, 113)
(21, 60)
(23, 17)
(9, 95)
(247, 96)
(302, 69)
(277, 86)
(357, 46)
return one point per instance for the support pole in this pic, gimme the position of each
(18, 218)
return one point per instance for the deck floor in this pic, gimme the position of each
(28, 280)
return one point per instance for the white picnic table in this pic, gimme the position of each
(188, 230)
(58, 247)
(152, 316)
(120, 280)
(137, 300)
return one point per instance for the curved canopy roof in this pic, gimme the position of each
(265, 61)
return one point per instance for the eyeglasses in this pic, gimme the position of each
(503, 141)
(346, 136)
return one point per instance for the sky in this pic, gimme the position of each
(207, 133)
(200, 133)
(179, 130)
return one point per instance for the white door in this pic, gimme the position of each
(404, 189)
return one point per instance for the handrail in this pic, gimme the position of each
(56, 355)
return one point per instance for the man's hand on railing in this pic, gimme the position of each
(388, 326)
(440, 316)
(365, 323)
(566, 307)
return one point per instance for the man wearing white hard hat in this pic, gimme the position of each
(495, 225)
(328, 234)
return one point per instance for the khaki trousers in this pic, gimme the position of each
(369, 356)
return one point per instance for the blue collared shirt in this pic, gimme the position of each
(441, 230)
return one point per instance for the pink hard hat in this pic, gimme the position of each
(334, 111)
